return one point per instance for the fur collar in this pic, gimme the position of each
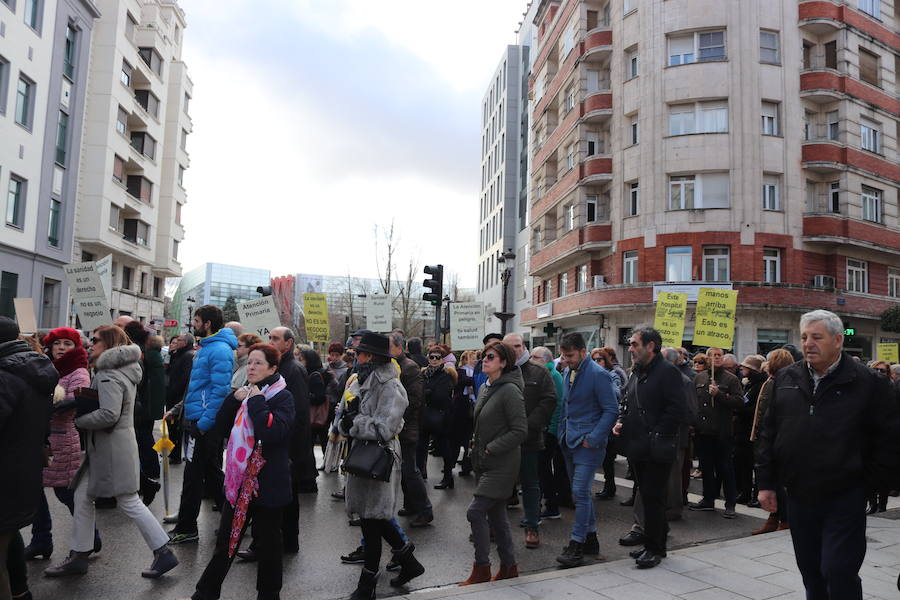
(74, 359)
(118, 357)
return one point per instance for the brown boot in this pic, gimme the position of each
(532, 539)
(782, 526)
(478, 575)
(506, 572)
(769, 526)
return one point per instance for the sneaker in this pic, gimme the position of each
(729, 512)
(357, 557)
(550, 514)
(163, 562)
(572, 555)
(177, 537)
(702, 506)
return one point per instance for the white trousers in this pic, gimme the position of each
(130, 504)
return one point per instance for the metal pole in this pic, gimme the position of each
(437, 323)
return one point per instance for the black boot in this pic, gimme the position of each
(410, 568)
(365, 589)
(609, 491)
(446, 483)
(35, 549)
(572, 555)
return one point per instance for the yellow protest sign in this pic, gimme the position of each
(888, 352)
(671, 308)
(715, 318)
(315, 308)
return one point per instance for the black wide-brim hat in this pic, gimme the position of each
(374, 343)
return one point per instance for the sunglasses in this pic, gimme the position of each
(95, 340)
(699, 362)
(490, 356)
(434, 357)
(883, 371)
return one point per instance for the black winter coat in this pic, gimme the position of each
(716, 413)
(540, 402)
(438, 387)
(180, 365)
(303, 463)
(659, 389)
(846, 435)
(27, 381)
(743, 416)
(412, 382)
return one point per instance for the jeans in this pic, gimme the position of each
(717, 466)
(554, 478)
(529, 477)
(266, 523)
(485, 514)
(143, 434)
(373, 531)
(651, 479)
(42, 526)
(582, 463)
(202, 471)
(829, 536)
(415, 495)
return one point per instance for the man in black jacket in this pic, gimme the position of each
(181, 360)
(830, 429)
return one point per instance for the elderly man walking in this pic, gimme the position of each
(831, 428)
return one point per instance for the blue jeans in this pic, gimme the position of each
(529, 477)
(582, 463)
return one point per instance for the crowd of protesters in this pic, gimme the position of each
(811, 436)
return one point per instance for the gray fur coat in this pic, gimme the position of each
(111, 460)
(382, 404)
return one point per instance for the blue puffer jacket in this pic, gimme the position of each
(591, 408)
(210, 378)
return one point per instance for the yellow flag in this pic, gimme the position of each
(715, 318)
(671, 308)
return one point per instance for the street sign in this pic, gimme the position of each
(171, 323)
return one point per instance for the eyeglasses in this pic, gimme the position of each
(95, 340)
(882, 371)
(699, 362)
(599, 359)
(434, 357)
(490, 356)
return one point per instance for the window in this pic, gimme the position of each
(53, 229)
(581, 284)
(593, 144)
(15, 201)
(181, 175)
(715, 263)
(570, 156)
(633, 130)
(69, 57)
(807, 125)
(113, 217)
(143, 143)
(157, 287)
(178, 213)
(62, 137)
(593, 81)
(893, 282)
(634, 196)
(771, 192)
(707, 190)
(870, 6)
(563, 284)
(143, 286)
(569, 101)
(570, 217)
(769, 118)
(834, 191)
(9, 289)
(50, 303)
(681, 192)
(678, 263)
(135, 231)
(833, 124)
(118, 169)
(591, 209)
(175, 249)
(807, 55)
(702, 46)
(148, 101)
(33, 10)
(548, 290)
(122, 121)
(857, 276)
(771, 265)
(151, 58)
(628, 5)
(184, 135)
(130, 24)
(187, 102)
(629, 266)
(631, 63)
(870, 135)
(139, 187)
(871, 204)
(868, 67)
(127, 277)
(4, 83)
(698, 117)
(768, 47)
(125, 75)
(24, 101)
(831, 55)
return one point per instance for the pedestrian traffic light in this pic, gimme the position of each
(435, 284)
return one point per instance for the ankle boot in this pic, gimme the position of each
(446, 483)
(506, 572)
(410, 568)
(163, 561)
(74, 564)
(35, 549)
(478, 575)
(365, 589)
(148, 489)
(769, 526)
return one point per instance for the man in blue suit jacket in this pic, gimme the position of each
(589, 413)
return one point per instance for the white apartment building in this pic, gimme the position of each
(44, 53)
(135, 152)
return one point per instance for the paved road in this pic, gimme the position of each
(316, 572)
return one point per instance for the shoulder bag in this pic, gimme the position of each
(370, 459)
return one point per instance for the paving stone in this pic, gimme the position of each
(552, 589)
(632, 591)
(738, 564)
(739, 583)
(662, 579)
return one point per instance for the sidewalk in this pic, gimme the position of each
(758, 567)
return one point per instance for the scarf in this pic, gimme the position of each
(363, 370)
(242, 440)
(74, 359)
(431, 371)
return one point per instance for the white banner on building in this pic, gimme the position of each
(259, 316)
(89, 296)
(466, 325)
(379, 314)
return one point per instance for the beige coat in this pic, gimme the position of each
(111, 458)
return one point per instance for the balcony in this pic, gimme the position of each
(826, 85)
(597, 44)
(582, 239)
(595, 169)
(820, 18)
(830, 158)
(831, 229)
(597, 107)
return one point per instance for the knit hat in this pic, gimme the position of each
(753, 362)
(62, 333)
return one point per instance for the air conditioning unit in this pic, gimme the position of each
(599, 281)
(823, 281)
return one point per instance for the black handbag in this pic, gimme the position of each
(370, 459)
(87, 400)
(662, 448)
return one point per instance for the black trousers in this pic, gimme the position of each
(829, 536)
(202, 472)
(149, 459)
(443, 446)
(415, 495)
(717, 466)
(743, 467)
(266, 523)
(290, 525)
(373, 531)
(651, 480)
(555, 486)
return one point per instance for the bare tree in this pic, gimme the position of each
(406, 304)
(451, 285)
(385, 263)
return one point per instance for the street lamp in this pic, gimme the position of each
(190, 304)
(506, 259)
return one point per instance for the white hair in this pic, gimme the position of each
(543, 353)
(833, 323)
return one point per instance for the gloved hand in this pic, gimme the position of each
(347, 420)
(195, 430)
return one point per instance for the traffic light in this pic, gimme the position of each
(435, 284)
(264, 290)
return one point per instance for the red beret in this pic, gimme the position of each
(62, 333)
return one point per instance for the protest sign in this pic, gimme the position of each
(92, 312)
(466, 325)
(104, 271)
(671, 308)
(90, 298)
(316, 310)
(25, 315)
(259, 316)
(888, 352)
(379, 313)
(715, 318)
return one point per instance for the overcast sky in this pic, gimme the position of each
(315, 120)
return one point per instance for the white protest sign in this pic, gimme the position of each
(92, 312)
(104, 270)
(379, 315)
(259, 316)
(84, 281)
(466, 325)
(25, 315)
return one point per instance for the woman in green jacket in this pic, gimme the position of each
(500, 429)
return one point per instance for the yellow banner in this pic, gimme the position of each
(671, 308)
(888, 352)
(715, 318)
(315, 307)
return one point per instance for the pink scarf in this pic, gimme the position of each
(240, 443)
